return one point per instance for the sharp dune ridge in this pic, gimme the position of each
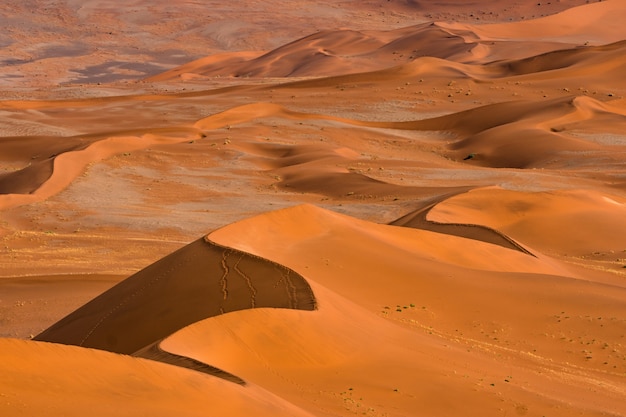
(208, 278)
(377, 208)
(418, 219)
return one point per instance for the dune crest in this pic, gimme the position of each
(596, 23)
(302, 224)
(198, 281)
(587, 221)
(374, 266)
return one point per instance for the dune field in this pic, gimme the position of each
(296, 208)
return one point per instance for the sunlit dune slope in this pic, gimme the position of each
(339, 52)
(574, 222)
(54, 380)
(524, 134)
(472, 297)
(595, 22)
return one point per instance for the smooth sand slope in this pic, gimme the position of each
(445, 311)
(39, 377)
(457, 306)
(313, 208)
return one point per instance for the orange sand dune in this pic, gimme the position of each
(581, 61)
(407, 208)
(37, 377)
(596, 23)
(421, 353)
(516, 134)
(331, 53)
(574, 223)
(39, 181)
(175, 292)
(418, 220)
(397, 266)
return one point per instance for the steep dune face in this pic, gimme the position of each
(438, 283)
(199, 281)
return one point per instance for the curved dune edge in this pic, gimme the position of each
(297, 226)
(155, 352)
(490, 141)
(418, 219)
(356, 268)
(133, 316)
(480, 51)
(567, 222)
(605, 17)
(518, 134)
(36, 379)
(290, 352)
(69, 165)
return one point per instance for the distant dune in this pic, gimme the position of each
(313, 208)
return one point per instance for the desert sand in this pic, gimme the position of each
(378, 208)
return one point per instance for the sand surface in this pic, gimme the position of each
(279, 208)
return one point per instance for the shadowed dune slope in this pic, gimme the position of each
(579, 61)
(198, 281)
(418, 220)
(33, 160)
(525, 134)
(514, 134)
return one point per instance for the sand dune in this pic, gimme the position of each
(596, 23)
(582, 230)
(175, 292)
(375, 256)
(328, 53)
(331, 53)
(43, 179)
(420, 349)
(313, 208)
(37, 377)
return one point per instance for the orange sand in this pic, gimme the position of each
(276, 208)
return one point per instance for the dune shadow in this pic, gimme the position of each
(417, 220)
(199, 281)
(155, 353)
